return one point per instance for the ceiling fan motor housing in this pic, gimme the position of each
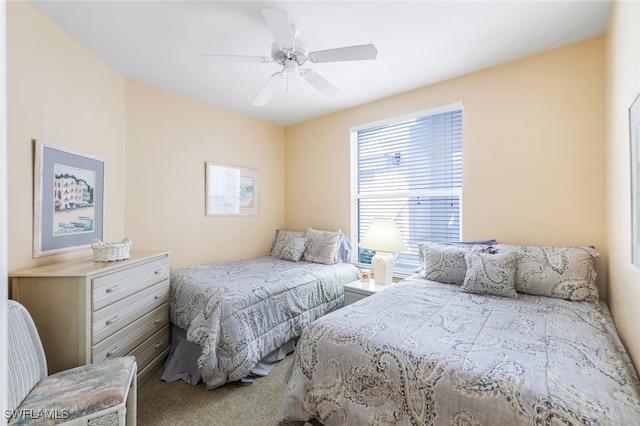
(298, 54)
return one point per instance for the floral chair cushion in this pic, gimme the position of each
(78, 392)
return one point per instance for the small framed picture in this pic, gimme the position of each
(232, 190)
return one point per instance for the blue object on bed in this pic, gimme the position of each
(236, 314)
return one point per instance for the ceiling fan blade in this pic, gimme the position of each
(321, 85)
(278, 22)
(351, 53)
(269, 89)
(212, 59)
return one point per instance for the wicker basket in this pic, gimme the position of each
(110, 252)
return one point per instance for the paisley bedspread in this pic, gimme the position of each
(425, 353)
(240, 311)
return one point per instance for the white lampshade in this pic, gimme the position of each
(383, 235)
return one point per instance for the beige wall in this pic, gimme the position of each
(169, 139)
(155, 145)
(533, 165)
(623, 84)
(59, 92)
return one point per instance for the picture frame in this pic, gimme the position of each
(634, 137)
(68, 199)
(232, 190)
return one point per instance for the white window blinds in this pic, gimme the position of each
(410, 171)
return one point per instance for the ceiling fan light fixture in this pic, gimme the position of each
(298, 54)
(290, 65)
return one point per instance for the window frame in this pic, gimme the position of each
(353, 152)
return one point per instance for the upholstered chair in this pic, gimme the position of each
(94, 394)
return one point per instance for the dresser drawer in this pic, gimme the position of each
(110, 288)
(145, 373)
(116, 316)
(123, 341)
(151, 348)
(85, 310)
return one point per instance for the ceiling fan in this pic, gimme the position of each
(291, 53)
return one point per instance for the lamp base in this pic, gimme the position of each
(383, 264)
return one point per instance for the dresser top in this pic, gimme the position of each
(85, 266)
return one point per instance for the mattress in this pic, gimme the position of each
(426, 353)
(239, 312)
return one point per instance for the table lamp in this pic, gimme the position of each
(384, 238)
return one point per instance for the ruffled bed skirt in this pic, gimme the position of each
(182, 362)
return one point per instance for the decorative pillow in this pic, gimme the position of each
(294, 248)
(444, 262)
(467, 244)
(281, 239)
(323, 246)
(489, 273)
(562, 272)
(344, 252)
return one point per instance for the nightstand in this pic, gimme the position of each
(357, 290)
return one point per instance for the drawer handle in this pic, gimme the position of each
(112, 352)
(159, 295)
(112, 320)
(158, 271)
(158, 321)
(158, 344)
(111, 289)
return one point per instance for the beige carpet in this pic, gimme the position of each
(178, 403)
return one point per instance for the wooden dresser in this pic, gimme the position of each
(88, 311)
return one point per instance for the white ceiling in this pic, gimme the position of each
(418, 42)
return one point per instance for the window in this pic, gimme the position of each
(409, 169)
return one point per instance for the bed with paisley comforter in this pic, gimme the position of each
(425, 352)
(233, 320)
